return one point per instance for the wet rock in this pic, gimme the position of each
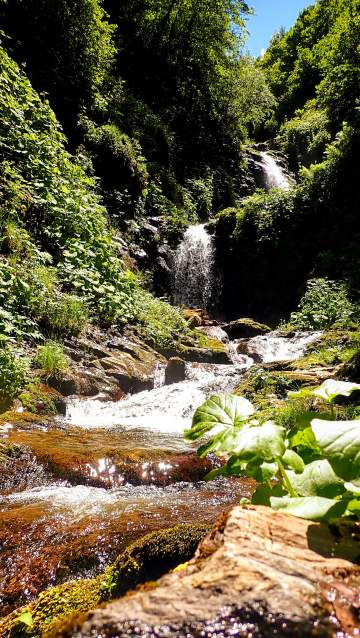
(264, 384)
(19, 469)
(245, 347)
(145, 559)
(98, 458)
(175, 371)
(245, 328)
(206, 355)
(258, 573)
(39, 398)
(215, 332)
(58, 533)
(106, 364)
(195, 316)
(82, 382)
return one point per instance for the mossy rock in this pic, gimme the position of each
(20, 417)
(151, 556)
(41, 399)
(205, 350)
(245, 328)
(262, 386)
(334, 348)
(144, 560)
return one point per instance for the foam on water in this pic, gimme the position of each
(169, 409)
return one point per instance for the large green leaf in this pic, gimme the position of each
(327, 390)
(317, 479)
(340, 443)
(314, 508)
(332, 388)
(261, 471)
(293, 460)
(222, 411)
(354, 487)
(265, 442)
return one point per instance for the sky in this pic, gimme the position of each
(270, 15)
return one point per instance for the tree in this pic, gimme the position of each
(68, 49)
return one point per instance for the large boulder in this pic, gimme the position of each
(258, 572)
(245, 328)
(105, 364)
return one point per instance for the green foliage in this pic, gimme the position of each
(304, 138)
(67, 315)
(312, 228)
(51, 359)
(252, 100)
(324, 303)
(12, 374)
(317, 58)
(116, 157)
(38, 398)
(311, 471)
(160, 324)
(72, 53)
(55, 233)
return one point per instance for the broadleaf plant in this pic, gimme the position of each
(312, 471)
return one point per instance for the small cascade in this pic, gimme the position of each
(273, 174)
(275, 347)
(169, 408)
(193, 269)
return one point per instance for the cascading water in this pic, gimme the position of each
(168, 409)
(125, 472)
(274, 176)
(194, 269)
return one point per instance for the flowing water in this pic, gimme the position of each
(112, 471)
(194, 269)
(274, 176)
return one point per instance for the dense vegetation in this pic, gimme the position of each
(313, 71)
(146, 125)
(309, 470)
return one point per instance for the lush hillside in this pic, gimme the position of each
(156, 93)
(60, 262)
(279, 240)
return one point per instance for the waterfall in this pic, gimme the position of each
(274, 176)
(193, 269)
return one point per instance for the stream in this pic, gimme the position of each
(85, 485)
(109, 472)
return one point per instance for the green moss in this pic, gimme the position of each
(19, 417)
(52, 606)
(144, 560)
(334, 347)
(211, 343)
(40, 398)
(152, 556)
(260, 385)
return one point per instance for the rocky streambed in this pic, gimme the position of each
(78, 489)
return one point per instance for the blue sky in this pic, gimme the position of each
(270, 15)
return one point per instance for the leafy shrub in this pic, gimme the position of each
(116, 157)
(160, 324)
(67, 315)
(98, 276)
(324, 303)
(310, 471)
(12, 374)
(303, 138)
(201, 191)
(51, 359)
